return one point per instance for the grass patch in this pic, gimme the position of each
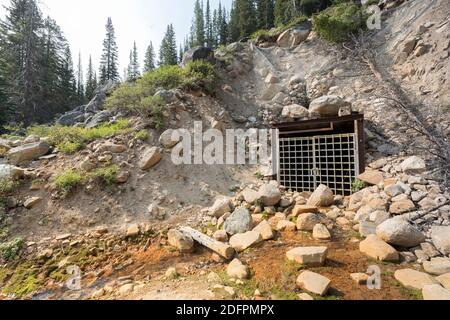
(7, 185)
(358, 185)
(141, 135)
(71, 139)
(413, 294)
(73, 178)
(69, 180)
(9, 251)
(23, 281)
(337, 22)
(106, 175)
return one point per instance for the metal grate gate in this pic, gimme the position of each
(306, 162)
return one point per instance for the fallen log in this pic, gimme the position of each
(220, 248)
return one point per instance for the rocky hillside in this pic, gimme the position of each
(138, 226)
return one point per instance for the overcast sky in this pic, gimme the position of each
(83, 23)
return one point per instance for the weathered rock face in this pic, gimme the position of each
(398, 232)
(150, 158)
(413, 165)
(237, 270)
(31, 202)
(265, 230)
(271, 91)
(444, 280)
(269, 195)
(294, 36)
(240, 221)
(250, 195)
(322, 197)
(183, 242)
(307, 221)
(167, 139)
(98, 118)
(313, 282)
(441, 238)
(413, 279)
(295, 111)
(71, 118)
(112, 147)
(401, 207)
(320, 232)
(328, 106)
(168, 96)
(286, 225)
(27, 152)
(220, 207)
(435, 293)
(308, 256)
(243, 241)
(437, 266)
(372, 177)
(378, 249)
(198, 53)
(11, 172)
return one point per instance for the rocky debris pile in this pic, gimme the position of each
(90, 115)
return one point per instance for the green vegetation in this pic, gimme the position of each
(9, 251)
(337, 22)
(70, 179)
(358, 185)
(139, 97)
(106, 175)
(141, 135)
(23, 281)
(7, 185)
(71, 139)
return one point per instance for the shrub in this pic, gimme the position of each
(71, 139)
(106, 175)
(138, 97)
(7, 185)
(141, 135)
(68, 180)
(358, 185)
(337, 22)
(10, 250)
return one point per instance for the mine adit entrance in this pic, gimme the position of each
(329, 151)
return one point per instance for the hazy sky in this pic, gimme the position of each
(83, 23)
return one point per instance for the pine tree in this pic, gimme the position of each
(233, 26)
(209, 26)
(223, 26)
(22, 58)
(80, 82)
(68, 82)
(108, 64)
(168, 49)
(52, 91)
(91, 81)
(133, 72)
(286, 10)
(149, 63)
(198, 26)
(265, 13)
